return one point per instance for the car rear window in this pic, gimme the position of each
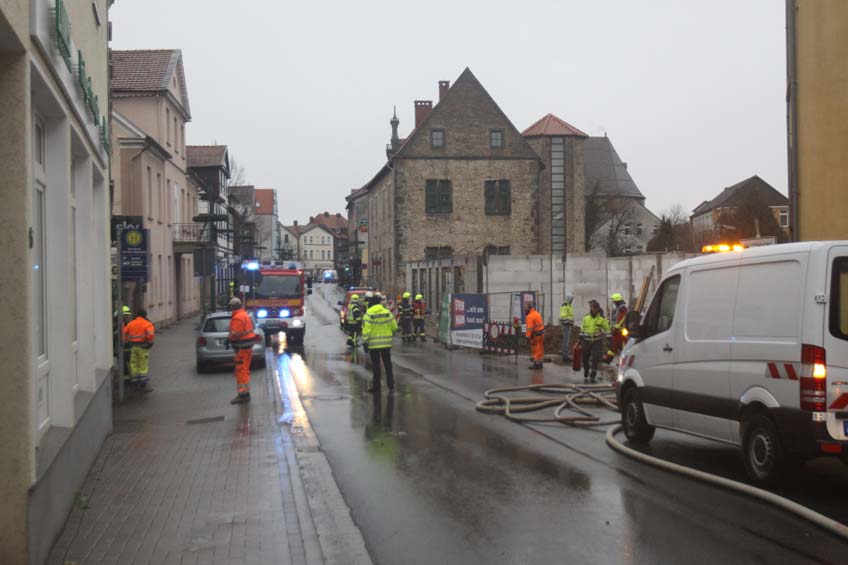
(217, 325)
(839, 299)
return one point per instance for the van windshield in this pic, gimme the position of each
(839, 299)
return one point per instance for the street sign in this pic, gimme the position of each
(363, 222)
(134, 247)
(204, 261)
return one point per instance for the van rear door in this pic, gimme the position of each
(835, 342)
(766, 344)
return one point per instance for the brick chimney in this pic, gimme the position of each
(422, 110)
(444, 86)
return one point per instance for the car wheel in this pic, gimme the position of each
(765, 461)
(636, 426)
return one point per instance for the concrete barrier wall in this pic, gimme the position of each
(586, 276)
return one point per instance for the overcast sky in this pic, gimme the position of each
(691, 92)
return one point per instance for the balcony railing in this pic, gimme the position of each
(193, 232)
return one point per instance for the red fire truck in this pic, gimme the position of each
(277, 298)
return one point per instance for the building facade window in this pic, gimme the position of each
(497, 250)
(435, 253)
(783, 218)
(627, 228)
(498, 197)
(496, 139)
(168, 124)
(437, 138)
(438, 197)
(558, 195)
(640, 229)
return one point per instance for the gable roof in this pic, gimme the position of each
(552, 125)
(310, 227)
(295, 229)
(207, 156)
(264, 201)
(606, 173)
(729, 196)
(138, 72)
(466, 84)
(332, 222)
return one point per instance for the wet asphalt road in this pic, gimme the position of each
(430, 480)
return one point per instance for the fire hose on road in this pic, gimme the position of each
(570, 397)
(574, 397)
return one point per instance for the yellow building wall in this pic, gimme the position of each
(822, 99)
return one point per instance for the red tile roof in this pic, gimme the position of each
(333, 222)
(147, 71)
(206, 155)
(264, 201)
(552, 125)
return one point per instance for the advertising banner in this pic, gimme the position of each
(468, 316)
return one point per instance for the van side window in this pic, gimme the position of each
(839, 299)
(661, 313)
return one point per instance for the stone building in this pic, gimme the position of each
(463, 181)
(562, 186)
(56, 331)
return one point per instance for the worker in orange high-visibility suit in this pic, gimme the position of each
(242, 338)
(138, 337)
(536, 335)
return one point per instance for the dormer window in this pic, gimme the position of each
(496, 139)
(437, 138)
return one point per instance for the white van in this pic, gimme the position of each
(748, 348)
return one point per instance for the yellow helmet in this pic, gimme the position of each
(616, 297)
(419, 297)
(406, 295)
(126, 310)
(354, 298)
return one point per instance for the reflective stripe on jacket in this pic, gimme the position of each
(378, 327)
(418, 310)
(566, 314)
(620, 316)
(354, 314)
(241, 329)
(594, 327)
(535, 325)
(139, 330)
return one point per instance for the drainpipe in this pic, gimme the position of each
(792, 116)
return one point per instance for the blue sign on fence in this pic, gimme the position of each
(469, 313)
(134, 247)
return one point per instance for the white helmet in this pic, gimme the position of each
(369, 295)
(235, 302)
(569, 298)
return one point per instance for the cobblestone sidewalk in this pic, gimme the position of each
(188, 478)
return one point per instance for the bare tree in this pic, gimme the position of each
(238, 177)
(674, 232)
(606, 222)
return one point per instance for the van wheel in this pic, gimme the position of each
(765, 461)
(636, 426)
